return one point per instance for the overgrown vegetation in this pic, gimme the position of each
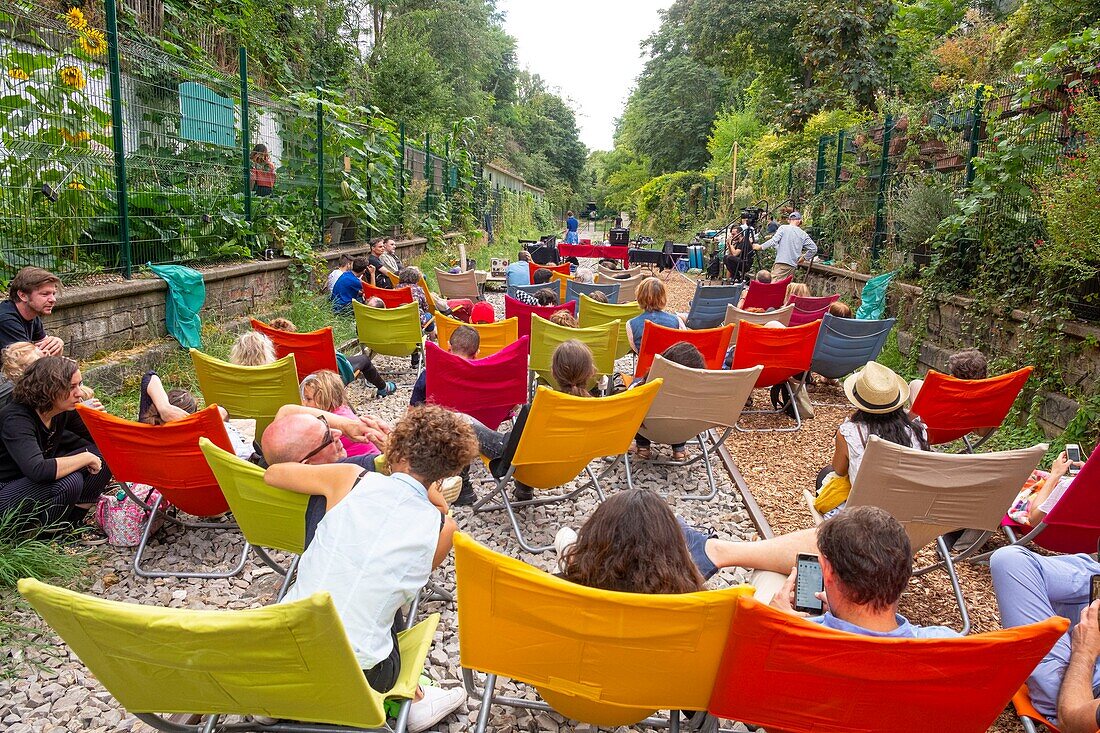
(30, 553)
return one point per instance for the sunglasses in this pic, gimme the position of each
(325, 442)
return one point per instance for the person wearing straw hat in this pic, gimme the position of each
(793, 247)
(879, 397)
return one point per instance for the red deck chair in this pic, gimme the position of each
(808, 310)
(785, 673)
(564, 268)
(783, 352)
(168, 458)
(391, 297)
(486, 389)
(953, 408)
(312, 350)
(712, 342)
(522, 312)
(767, 295)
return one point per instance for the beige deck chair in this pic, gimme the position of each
(608, 272)
(932, 494)
(627, 286)
(460, 286)
(691, 406)
(735, 315)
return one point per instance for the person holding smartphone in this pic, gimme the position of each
(1042, 491)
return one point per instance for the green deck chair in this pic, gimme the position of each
(255, 392)
(389, 331)
(268, 517)
(290, 661)
(595, 313)
(546, 336)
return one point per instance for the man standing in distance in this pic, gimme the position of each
(33, 294)
(792, 247)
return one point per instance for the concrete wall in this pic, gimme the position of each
(958, 323)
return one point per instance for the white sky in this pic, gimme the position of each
(586, 49)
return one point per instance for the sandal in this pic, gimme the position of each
(643, 453)
(679, 455)
(389, 389)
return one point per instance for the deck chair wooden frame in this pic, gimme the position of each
(593, 655)
(459, 286)
(710, 303)
(255, 392)
(574, 289)
(932, 494)
(594, 313)
(494, 336)
(601, 340)
(785, 673)
(289, 661)
(313, 350)
(694, 405)
(954, 408)
(167, 457)
(628, 286)
(784, 353)
(546, 464)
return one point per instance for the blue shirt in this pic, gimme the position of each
(661, 318)
(519, 273)
(347, 288)
(905, 630)
(571, 224)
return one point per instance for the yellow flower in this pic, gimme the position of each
(92, 42)
(73, 77)
(18, 74)
(80, 137)
(74, 18)
(77, 186)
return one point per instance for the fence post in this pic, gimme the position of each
(790, 182)
(879, 237)
(246, 142)
(975, 133)
(320, 171)
(819, 170)
(401, 167)
(119, 139)
(839, 159)
(445, 169)
(429, 173)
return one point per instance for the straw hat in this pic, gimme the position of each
(876, 389)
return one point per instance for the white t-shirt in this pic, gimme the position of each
(332, 278)
(372, 552)
(1056, 494)
(855, 435)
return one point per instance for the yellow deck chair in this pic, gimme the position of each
(268, 517)
(494, 336)
(693, 405)
(290, 660)
(593, 313)
(389, 331)
(255, 392)
(597, 656)
(554, 439)
(563, 283)
(627, 286)
(602, 340)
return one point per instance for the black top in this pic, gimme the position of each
(144, 400)
(380, 280)
(13, 327)
(29, 449)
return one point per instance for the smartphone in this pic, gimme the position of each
(1073, 454)
(809, 581)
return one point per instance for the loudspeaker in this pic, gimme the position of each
(618, 237)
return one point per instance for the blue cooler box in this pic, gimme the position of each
(695, 257)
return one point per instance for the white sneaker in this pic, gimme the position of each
(450, 487)
(563, 540)
(436, 705)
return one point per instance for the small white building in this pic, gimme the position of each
(503, 178)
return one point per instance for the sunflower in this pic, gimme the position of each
(73, 77)
(92, 42)
(18, 74)
(74, 18)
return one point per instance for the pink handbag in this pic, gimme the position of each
(122, 519)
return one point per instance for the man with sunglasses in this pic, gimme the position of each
(302, 434)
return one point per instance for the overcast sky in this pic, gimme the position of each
(586, 49)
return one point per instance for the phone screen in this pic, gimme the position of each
(1073, 454)
(1095, 591)
(808, 581)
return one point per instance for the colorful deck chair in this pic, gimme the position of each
(693, 405)
(602, 340)
(709, 303)
(290, 661)
(591, 654)
(1028, 715)
(627, 286)
(255, 392)
(562, 281)
(552, 443)
(529, 289)
(494, 336)
(808, 310)
(487, 389)
(166, 457)
(847, 344)
(872, 301)
(595, 313)
(313, 350)
(612, 273)
(735, 315)
(523, 312)
(767, 295)
(564, 268)
(574, 289)
(392, 297)
(389, 331)
(268, 517)
(783, 352)
(953, 408)
(785, 673)
(712, 342)
(463, 285)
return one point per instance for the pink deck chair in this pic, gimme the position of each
(808, 310)
(522, 312)
(1073, 525)
(766, 295)
(486, 389)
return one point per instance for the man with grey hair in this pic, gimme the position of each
(793, 247)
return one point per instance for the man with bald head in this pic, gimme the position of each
(302, 434)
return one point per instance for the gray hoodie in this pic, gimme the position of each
(790, 242)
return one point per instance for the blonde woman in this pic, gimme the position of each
(252, 348)
(324, 390)
(15, 359)
(652, 299)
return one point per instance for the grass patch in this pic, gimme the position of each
(446, 257)
(32, 554)
(892, 357)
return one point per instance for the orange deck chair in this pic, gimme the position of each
(564, 268)
(313, 350)
(783, 352)
(712, 342)
(494, 336)
(1028, 715)
(168, 458)
(785, 673)
(766, 295)
(953, 408)
(392, 297)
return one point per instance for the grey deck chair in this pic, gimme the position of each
(693, 405)
(932, 494)
(458, 286)
(530, 289)
(627, 286)
(847, 344)
(709, 303)
(574, 289)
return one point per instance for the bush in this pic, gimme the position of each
(922, 203)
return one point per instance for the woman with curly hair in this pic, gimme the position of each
(50, 468)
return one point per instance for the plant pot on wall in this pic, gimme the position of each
(949, 163)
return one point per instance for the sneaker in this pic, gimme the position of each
(563, 540)
(389, 389)
(436, 705)
(522, 492)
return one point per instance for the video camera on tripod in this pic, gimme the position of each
(752, 214)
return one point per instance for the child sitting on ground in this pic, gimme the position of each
(374, 554)
(324, 390)
(464, 342)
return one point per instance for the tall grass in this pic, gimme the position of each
(32, 554)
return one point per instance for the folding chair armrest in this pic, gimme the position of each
(809, 497)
